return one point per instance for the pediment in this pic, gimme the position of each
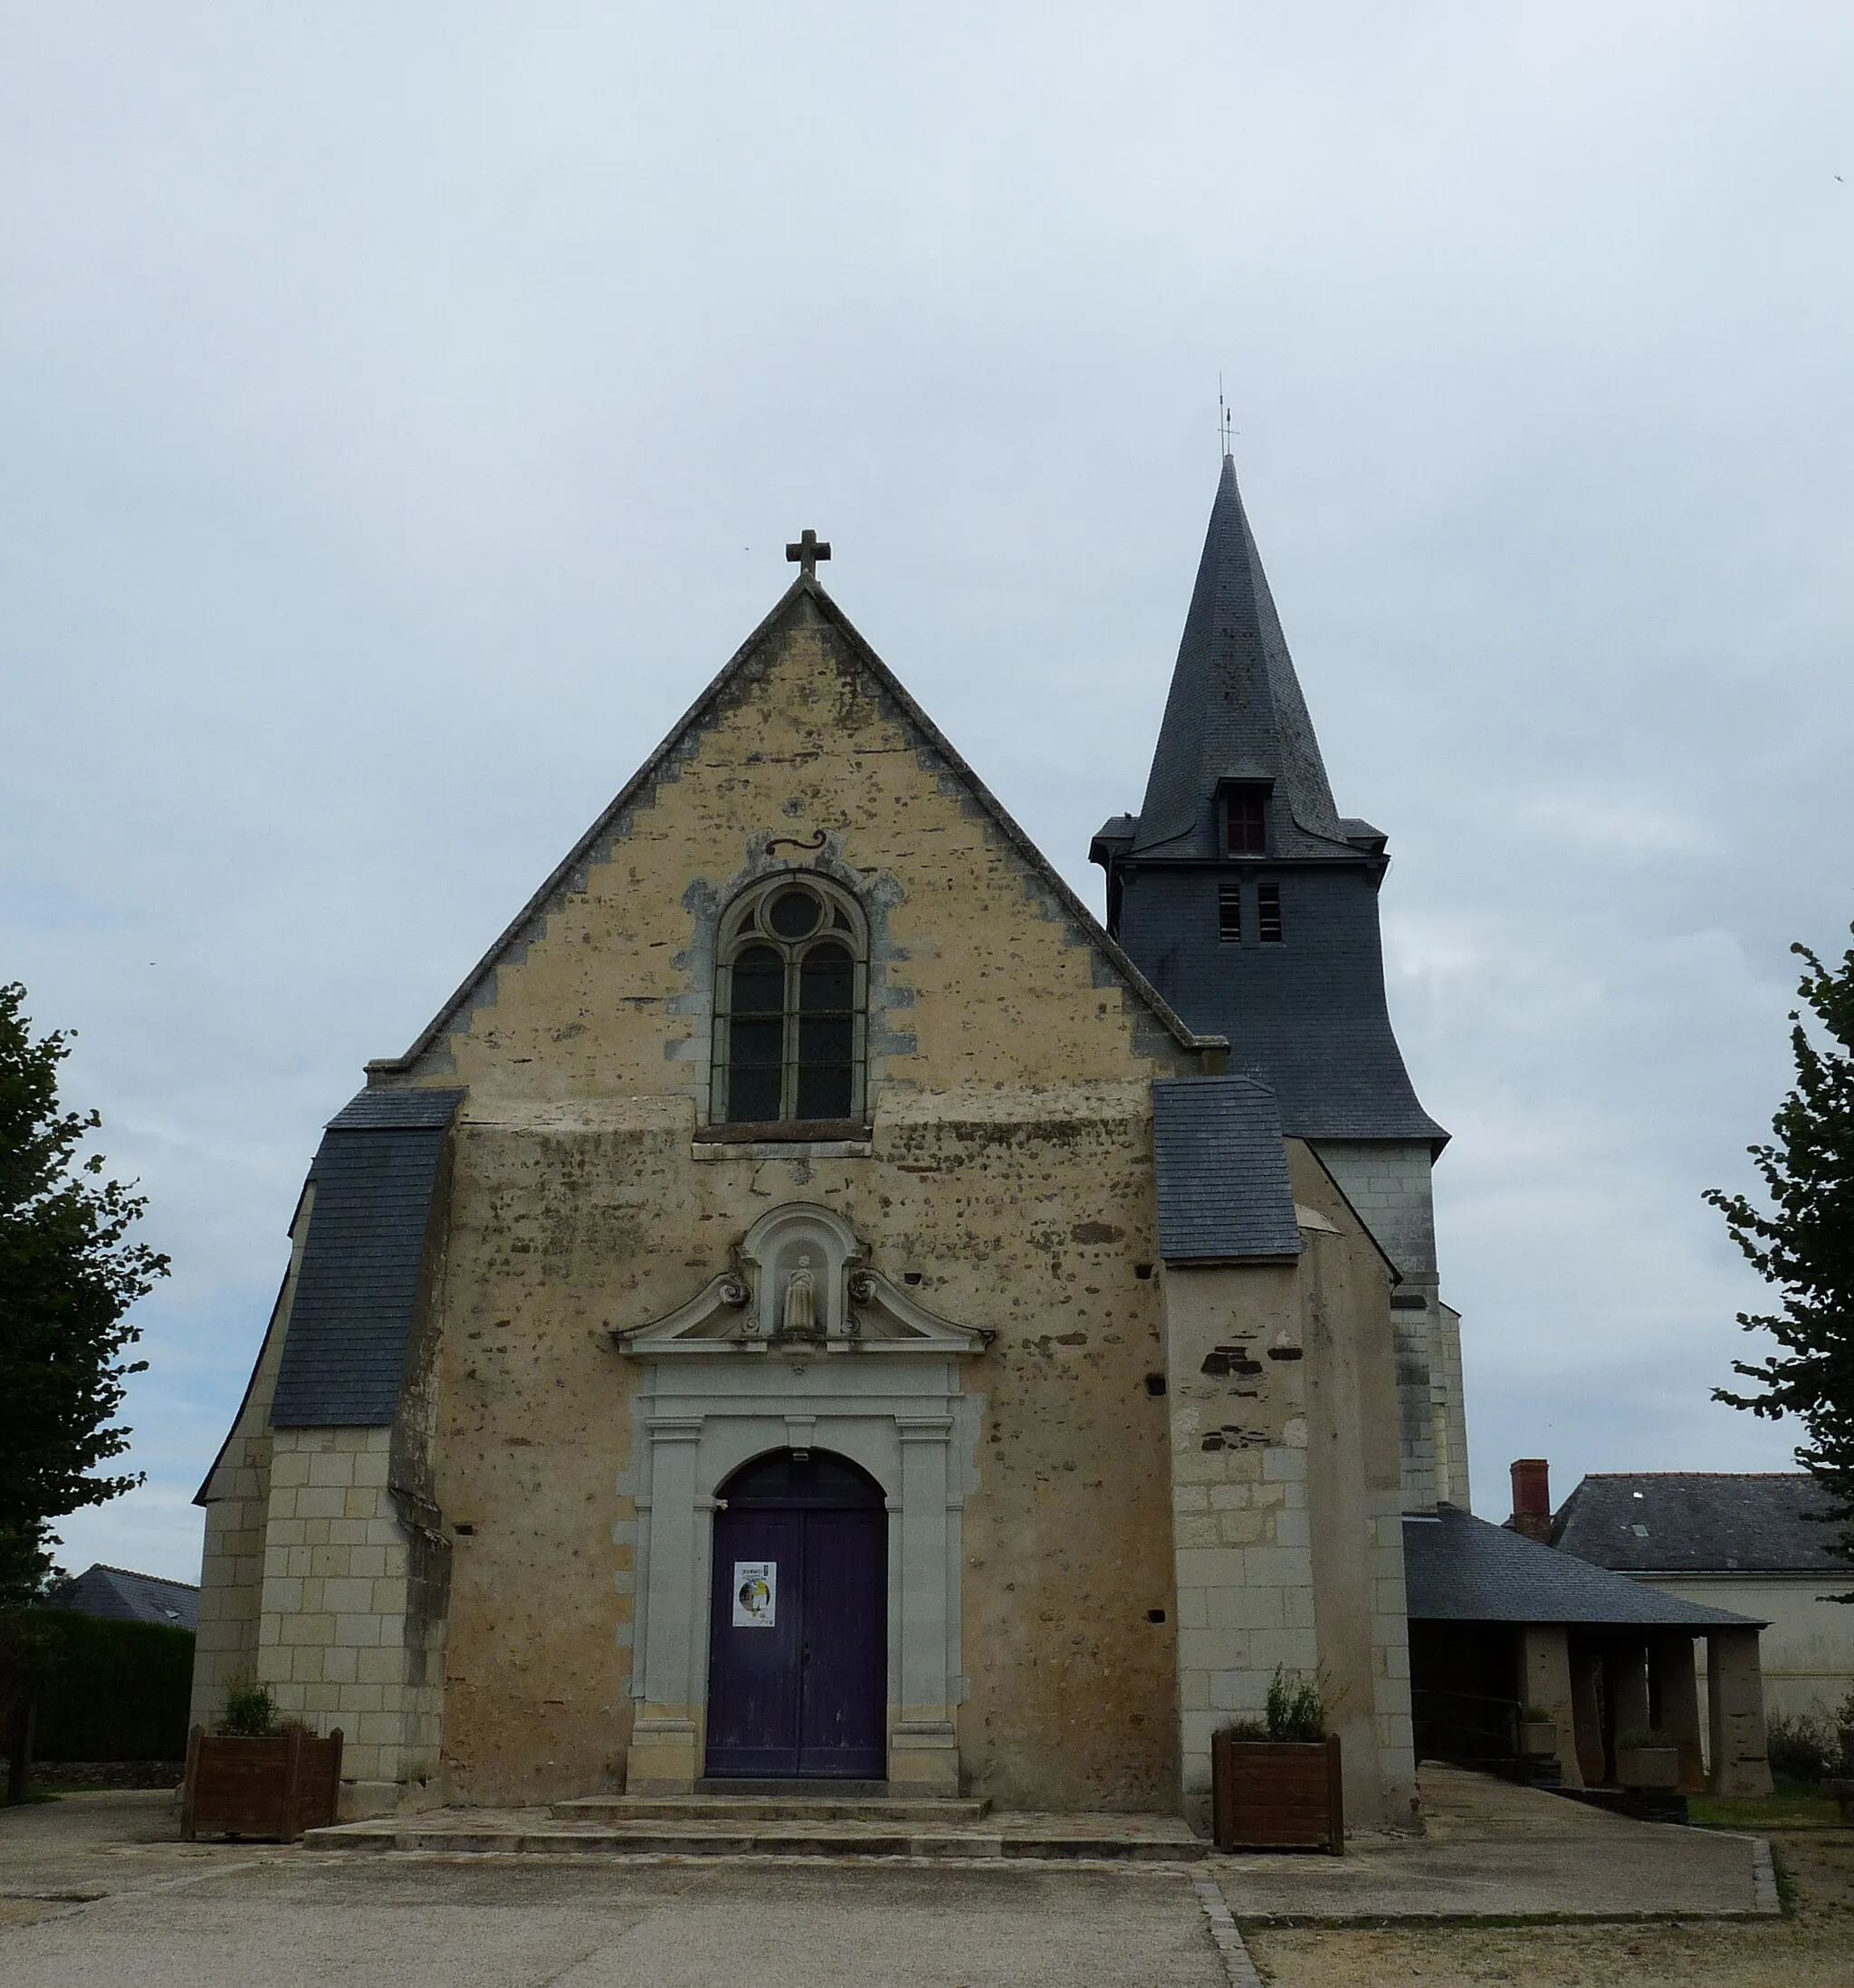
(799, 1281)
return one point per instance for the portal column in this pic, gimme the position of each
(923, 1745)
(665, 1735)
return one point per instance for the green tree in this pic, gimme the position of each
(68, 1277)
(1805, 1244)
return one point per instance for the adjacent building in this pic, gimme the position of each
(1741, 1540)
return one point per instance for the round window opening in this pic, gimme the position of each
(794, 914)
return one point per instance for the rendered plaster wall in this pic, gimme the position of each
(237, 1496)
(1033, 1230)
(1011, 1172)
(1807, 1653)
(1354, 1495)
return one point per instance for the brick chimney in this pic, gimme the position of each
(1531, 1499)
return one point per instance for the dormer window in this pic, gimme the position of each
(1245, 820)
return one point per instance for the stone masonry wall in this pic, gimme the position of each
(1354, 1495)
(1007, 1180)
(1032, 1227)
(333, 1641)
(237, 1496)
(1389, 1183)
(1243, 1552)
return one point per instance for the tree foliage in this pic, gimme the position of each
(68, 1277)
(1805, 1244)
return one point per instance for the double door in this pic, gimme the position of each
(797, 1642)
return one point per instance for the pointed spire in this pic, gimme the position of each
(1235, 710)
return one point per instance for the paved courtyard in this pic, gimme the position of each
(168, 1915)
(96, 1889)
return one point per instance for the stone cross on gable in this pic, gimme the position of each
(806, 553)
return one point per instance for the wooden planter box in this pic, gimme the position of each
(1537, 1738)
(1276, 1794)
(269, 1788)
(1648, 1766)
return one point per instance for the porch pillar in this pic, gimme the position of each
(1586, 1714)
(1625, 1695)
(1670, 1666)
(1544, 1680)
(1735, 1707)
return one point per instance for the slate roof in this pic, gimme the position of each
(1457, 1568)
(1235, 708)
(358, 1287)
(1700, 1521)
(120, 1595)
(1224, 1194)
(1306, 1015)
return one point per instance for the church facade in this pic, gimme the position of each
(814, 1305)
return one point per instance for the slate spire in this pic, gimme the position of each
(1235, 710)
(1239, 890)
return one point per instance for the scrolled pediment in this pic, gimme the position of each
(800, 1282)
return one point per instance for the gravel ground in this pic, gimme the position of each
(1813, 1948)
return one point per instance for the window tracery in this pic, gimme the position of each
(792, 1002)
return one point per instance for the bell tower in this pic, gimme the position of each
(1251, 903)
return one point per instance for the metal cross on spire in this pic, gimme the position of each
(806, 553)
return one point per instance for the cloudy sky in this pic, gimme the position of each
(405, 409)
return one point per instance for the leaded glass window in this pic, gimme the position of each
(790, 998)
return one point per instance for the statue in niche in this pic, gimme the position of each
(799, 1318)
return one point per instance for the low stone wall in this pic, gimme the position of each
(107, 1774)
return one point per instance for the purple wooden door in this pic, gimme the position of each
(798, 1656)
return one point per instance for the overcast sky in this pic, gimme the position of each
(403, 411)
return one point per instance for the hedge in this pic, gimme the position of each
(110, 1690)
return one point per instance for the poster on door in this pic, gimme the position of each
(756, 1593)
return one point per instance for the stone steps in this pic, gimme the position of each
(766, 1808)
(535, 1832)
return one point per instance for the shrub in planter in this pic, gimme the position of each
(256, 1778)
(1277, 1785)
(1647, 1757)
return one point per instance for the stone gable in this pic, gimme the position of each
(983, 968)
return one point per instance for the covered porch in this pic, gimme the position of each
(1505, 1630)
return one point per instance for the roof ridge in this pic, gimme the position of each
(135, 1573)
(805, 587)
(1737, 1477)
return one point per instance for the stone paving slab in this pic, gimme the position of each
(1494, 1850)
(297, 1920)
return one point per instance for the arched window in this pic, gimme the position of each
(790, 1000)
